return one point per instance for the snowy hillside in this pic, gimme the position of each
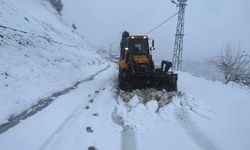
(40, 54)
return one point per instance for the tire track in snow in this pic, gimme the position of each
(193, 131)
(55, 136)
(47, 142)
(128, 136)
(43, 103)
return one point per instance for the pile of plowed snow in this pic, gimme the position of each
(40, 54)
(155, 127)
(144, 95)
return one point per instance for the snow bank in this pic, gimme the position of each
(229, 124)
(40, 54)
(205, 115)
(155, 126)
(163, 97)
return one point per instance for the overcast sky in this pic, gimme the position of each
(209, 24)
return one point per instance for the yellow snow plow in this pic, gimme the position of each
(137, 69)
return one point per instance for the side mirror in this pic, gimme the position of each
(153, 45)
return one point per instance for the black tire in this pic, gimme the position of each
(124, 81)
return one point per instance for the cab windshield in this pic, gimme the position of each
(139, 47)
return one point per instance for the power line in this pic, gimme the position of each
(152, 11)
(152, 6)
(162, 23)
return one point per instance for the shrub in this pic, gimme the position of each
(234, 64)
(58, 5)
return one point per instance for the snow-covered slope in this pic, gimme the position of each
(226, 122)
(40, 54)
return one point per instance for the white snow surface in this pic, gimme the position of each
(48, 58)
(205, 115)
(62, 125)
(228, 125)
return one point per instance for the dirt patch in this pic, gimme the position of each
(89, 130)
(96, 114)
(96, 92)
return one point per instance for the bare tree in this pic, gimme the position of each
(234, 64)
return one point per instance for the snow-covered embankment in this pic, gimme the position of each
(44, 55)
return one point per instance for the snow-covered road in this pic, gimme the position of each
(43, 103)
(62, 125)
(93, 115)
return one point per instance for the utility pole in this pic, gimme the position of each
(178, 46)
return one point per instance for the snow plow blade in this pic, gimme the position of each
(140, 80)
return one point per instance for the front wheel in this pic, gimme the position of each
(124, 81)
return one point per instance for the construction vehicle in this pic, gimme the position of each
(137, 69)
